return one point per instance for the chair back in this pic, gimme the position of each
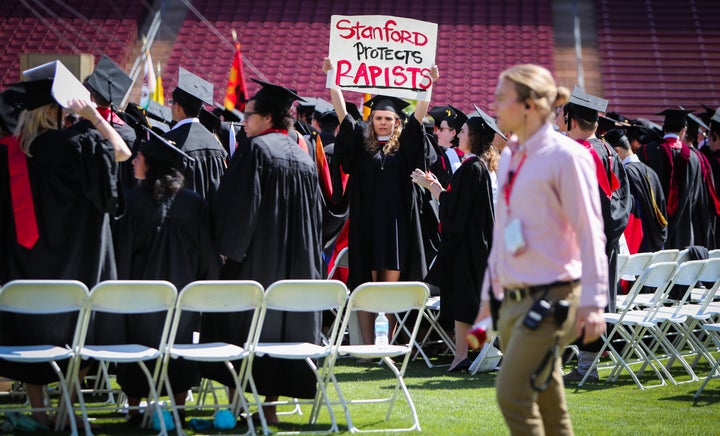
(306, 295)
(635, 265)
(43, 296)
(669, 255)
(389, 297)
(133, 296)
(711, 271)
(220, 296)
(657, 275)
(714, 254)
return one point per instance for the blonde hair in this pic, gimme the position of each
(34, 122)
(533, 82)
(391, 145)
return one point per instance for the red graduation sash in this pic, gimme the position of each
(607, 185)
(668, 145)
(26, 230)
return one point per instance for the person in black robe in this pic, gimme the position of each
(108, 85)
(581, 117)
(71, 178)
(164, 235)
(447, 123)
(648, 208)
(386, 240)
(712, 151)
(678, 169)
(467, 217)
(189, 135)
(268, 222)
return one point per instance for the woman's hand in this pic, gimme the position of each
(434, 72)
(327, 65)
(85, 109)
(423, 178)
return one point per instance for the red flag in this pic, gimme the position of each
(236, 93)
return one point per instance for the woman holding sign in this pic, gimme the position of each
(385, 238)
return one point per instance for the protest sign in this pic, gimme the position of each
(381, 54)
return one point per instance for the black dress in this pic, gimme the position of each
(203, 176)
(74, 183)
(380, 189)
(467, 218)
(268, 220)
(162, 242)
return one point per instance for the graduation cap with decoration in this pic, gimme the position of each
(192, 90)
(584, 106)
(51, 82)
(109, 81)
(11, 105)
(275, 95)
(484, 121)
(454, 116)
(162, 150)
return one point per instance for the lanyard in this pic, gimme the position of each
(512, 175)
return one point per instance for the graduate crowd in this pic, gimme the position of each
(183, 193)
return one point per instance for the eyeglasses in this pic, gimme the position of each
(247, 115)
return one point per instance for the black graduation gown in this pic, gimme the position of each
(648, 201)
(442, 168)
(74, 185)
(467, 218)
(714, 161)
(129, 136)
(363, 166)
(268, 221)
(680, 226)
(615, 210)
(202, 176)
(154, 242)
(705, 213)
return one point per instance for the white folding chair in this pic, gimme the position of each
(219, 296)
(669, 255)
(623, 329)
(132, 297)
(714, 254)
(387, 297)
(432, 316)
(307, 296)
(713, 331)
(342, 260)
(46, 297)
(632, 269)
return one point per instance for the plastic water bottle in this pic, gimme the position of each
(478, 334)
(382, 328)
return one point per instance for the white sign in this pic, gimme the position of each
(380, 54)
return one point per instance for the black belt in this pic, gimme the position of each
(517, 294)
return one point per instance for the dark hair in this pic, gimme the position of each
(281, 117)
(481, 137)
(191, 110)
(328, 124)
(714, 130)
(570, 111)
(617, 138)
(164, 180)
(674, 125)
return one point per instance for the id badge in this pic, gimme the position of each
(514, 242)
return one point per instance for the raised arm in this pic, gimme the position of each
(338, 101)
(421, 107)
(85, 110)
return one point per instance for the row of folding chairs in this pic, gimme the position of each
(138, 297)
(652, 330)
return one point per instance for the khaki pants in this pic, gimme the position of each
(527, 411)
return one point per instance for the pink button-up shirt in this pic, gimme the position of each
(555, 196)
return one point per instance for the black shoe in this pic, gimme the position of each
(462, 366)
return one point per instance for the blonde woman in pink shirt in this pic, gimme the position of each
(548, 256)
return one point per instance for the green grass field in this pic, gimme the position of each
(463, 404)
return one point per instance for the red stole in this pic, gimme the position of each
(608, 186)
(676, 171)
(26, 229)
(110, 116)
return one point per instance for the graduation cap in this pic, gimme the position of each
(696, 121)
(643, 130)
(487, 121)
(328, 116)
(585, 106)
(162, 150)
(192, 90)
(52, 82)
(675, 116)
(353, 110)
(275, 94)
(454, 116)
(109, 80)
(322, 106)
(210, 121)
(716, 116)
(617, 138)
(607, 122)
(158, 112)
(708, 114)
(11, 104)
(231, 115)
(387, 103)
